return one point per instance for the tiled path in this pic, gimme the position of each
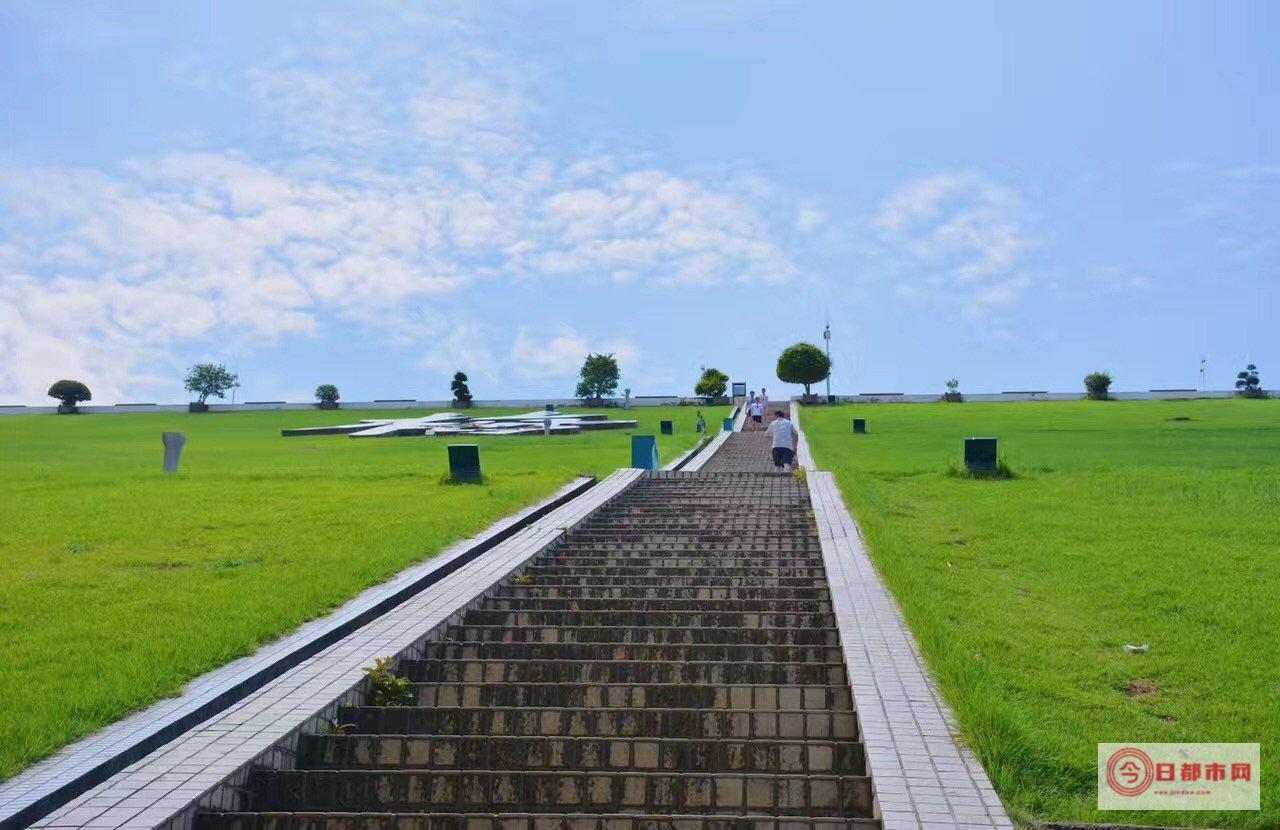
(924, 778)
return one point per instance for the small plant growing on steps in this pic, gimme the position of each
(799, 474)
(522, 579)
(333, 727)
(386, 688)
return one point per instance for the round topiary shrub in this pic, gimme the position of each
(327, 395)
(803, 363)
(69, 393)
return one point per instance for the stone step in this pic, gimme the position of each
(498, 601)
(669, 635)
(605, 581)
(770, 543)
(705, 571)
(685, 562)
(464, 791)
(654, 618)
(635, 539)
(714, 652)
(522, 821)
(614, 671)
(672, 664)
(694, 527)
(794, 724)
(511, 752)
(765, 697)
(541, 589)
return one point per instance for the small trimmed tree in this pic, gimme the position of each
(205, 379)
(461, 392)
(598, 378)
(713, 383)
(1248, 383)
(327, 395)
(803, 363)
(1097, 385)
(69, 393)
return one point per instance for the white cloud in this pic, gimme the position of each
(466, 347)
(809, 219)
(962, 236)
(414, 170)
(674, 229)
(561, 354)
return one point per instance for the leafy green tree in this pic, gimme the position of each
(70, 392)
(205, 379)
(599, 377)
(803, 363)
(1248, 382)
(461, 392)
(327, 393)
(713, 382)
(1097, 385)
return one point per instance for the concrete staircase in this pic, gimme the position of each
(673, 663)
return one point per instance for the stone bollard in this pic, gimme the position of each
(980, 454)
(464, 463)
(644, 452)
(173, 444)
(860, 426)
(666, 427)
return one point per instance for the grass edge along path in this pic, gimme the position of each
(1129, 522)
(121, 585)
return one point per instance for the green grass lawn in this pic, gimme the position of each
(119, 584)
(1123, 526)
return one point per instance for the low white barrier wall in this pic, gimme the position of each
(389, 404)
(640, 401)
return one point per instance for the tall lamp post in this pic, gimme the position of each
(826, 337)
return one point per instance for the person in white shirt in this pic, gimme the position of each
(785, 440)
(756, 411)
(764, 398)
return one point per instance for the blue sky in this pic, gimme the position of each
(1012, 194)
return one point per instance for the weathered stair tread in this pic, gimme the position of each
(664, 695)
(619, 633)
(723, 593)
(512, 752)
(621, 671)
(559, 790)
(654, 617)
(523, 821)
(603, 721)
(705, 652)
(671, 664)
